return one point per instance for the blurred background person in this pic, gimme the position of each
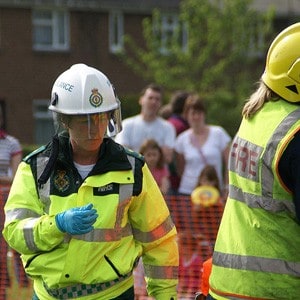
(207, 205)
(155, 160)
(200, 145)
(10, 154)
(148, 124)
(165, 111)
(177, 117)
(10, 157)
(190, 264)
(208, 178)
(178, 120)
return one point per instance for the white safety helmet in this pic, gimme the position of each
(83, 90)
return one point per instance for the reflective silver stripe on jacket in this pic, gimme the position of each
(161, 272)
(259, 264)
(28, 234)
(155, 234)
(20, 214)
(105, 235)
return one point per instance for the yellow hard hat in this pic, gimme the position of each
(282, 71)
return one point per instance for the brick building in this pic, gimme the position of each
(41, 38)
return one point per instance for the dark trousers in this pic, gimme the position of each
(127, 295)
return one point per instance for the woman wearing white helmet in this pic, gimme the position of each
(256, 254)
(83, 209)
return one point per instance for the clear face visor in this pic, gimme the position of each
(90, 126)
(114, 123)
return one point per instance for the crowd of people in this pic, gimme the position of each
(187, 142)
(163, 199)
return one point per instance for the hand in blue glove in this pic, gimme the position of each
(77, 220)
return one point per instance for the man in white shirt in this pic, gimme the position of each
(148, 124)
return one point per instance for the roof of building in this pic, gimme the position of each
(98, 5)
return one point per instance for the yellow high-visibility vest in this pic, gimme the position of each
(256, 254)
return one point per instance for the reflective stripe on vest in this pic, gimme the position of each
(161, 272)
(259, 264)
(266, 203)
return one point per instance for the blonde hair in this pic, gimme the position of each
(257, 100)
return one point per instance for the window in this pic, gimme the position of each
(257, 39)
(172, 32)
(44, 129)
(2, 114)
(116, 31)
(50, 30)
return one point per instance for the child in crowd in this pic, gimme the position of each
(207, 191)
(155, 160)
(190, 264)
(207, 204)
(209, 176)
(209, 216)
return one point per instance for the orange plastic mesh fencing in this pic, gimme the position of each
(14, 285)
(197, 228)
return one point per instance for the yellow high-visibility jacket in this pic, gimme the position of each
(133, 222)
(256, 255)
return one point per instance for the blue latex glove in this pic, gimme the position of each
(77, 220)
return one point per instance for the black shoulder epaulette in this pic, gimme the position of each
(135, 154)
(34, 153)
(138, 173)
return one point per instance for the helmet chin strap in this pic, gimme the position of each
(50, 164)
(111, 127)
(89, 127)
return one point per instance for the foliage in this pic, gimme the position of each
(28, 148)
(129, 105)
(217, 59)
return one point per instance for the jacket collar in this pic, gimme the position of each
(112, 156)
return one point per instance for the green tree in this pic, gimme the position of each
(218, 60)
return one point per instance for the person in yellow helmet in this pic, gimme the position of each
(83, 209)
(256, 255)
